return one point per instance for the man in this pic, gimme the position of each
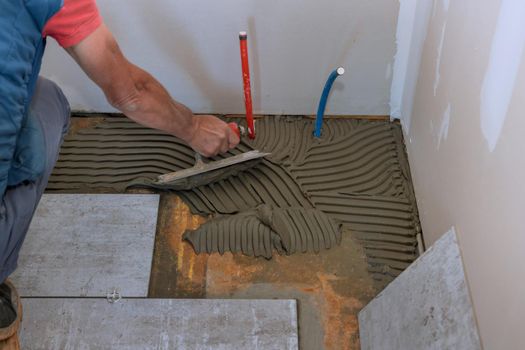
(34, 114)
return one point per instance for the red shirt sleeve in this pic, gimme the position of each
(73, 22)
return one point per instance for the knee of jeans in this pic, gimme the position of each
(65, 109)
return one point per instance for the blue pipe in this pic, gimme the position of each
(324, 97)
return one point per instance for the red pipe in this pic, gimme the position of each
(243, 38)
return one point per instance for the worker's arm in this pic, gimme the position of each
(142, 98)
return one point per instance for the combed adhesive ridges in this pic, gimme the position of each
(256, 232)
(356, 176)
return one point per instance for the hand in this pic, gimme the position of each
(211, 136)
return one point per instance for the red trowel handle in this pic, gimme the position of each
(237, 129)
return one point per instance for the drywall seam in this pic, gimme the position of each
(506, 54)
(404, 33)
(411, 32)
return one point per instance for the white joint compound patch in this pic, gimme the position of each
(438, 59)
(505, 57)
(443, 129)
(446, 4)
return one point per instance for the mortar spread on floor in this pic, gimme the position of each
(304, 197)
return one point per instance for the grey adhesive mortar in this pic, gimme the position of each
(256, 232)
(356, 174)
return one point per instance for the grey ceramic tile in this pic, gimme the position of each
(86, 245)
(158, 324)
(426, 307)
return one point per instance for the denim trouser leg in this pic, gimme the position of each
(51, 108)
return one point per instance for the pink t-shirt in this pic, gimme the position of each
(76, 20)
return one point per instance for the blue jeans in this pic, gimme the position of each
(51, 108)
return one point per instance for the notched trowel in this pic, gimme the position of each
(205, 173)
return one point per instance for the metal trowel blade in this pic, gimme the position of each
(202, 168)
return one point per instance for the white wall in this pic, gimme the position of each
(465, 146)
(192, 47)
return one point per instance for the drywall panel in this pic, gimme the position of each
(466, 153)
(88, 245)
(192, 48)
(426, 307)
(159, 324)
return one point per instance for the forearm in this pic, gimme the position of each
(130, 89)
(142, 98)
(149, 104)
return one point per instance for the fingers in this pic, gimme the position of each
(212, 146)
(233, 138)
(221, 133)
(224, 142)
(206, 153)
(213, 136)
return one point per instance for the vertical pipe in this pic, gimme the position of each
(243, 38)
(324, 97)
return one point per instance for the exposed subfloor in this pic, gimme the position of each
(331, 286)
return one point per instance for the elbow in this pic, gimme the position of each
(129, 93)
(126, 103)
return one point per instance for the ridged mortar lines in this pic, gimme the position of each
(290, 137)
(365, 161)
(258, 232)
(287, 139)
(266, 183)
(235, 233)
(356, 174)
(118, 153)
(385, 225)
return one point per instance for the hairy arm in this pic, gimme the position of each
(143, 99)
